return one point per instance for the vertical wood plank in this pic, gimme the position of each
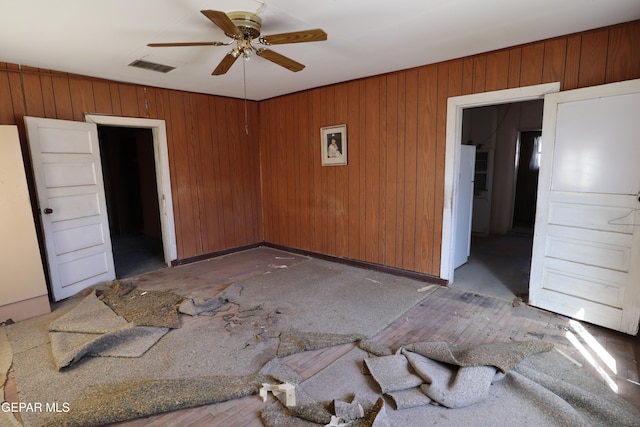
(234, 130)
(7, 116)
(209, 217)
(443, 91)
(467, 75)
(342, 177)
(426, 175)
(129, 100)
(256, 174)
(81, 97)
(532, 61)
(354, 158)
(497, 76)
(454, 84)
(48, 98)
(362, 155)
(572, 63)
(192, 144)
(390, 172)
(267, 174)
(382, 137)
(245, 164)
(116, 104)
(410, 170)
(141, 93)
(623, 55)
(218, 187)
(555, 53)
(293, 172)
(62, 94)
(593, 58)
(185, 235)
(32, 91)
(515, 62)
(308, 154)
(479, 73)
(18, 103)
(152, 93)
(329, 178)
(372, 168)
(102, 97)
(400, 170)
(317, 205)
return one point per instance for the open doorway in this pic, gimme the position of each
(128, 168)
(505, 187)
(528, 152)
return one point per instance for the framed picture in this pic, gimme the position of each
(334, 145)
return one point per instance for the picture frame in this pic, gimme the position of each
(333, 140)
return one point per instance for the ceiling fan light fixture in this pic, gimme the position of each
(244, 30)
(248, 23)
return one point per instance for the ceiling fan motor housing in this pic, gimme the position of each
(248, 23)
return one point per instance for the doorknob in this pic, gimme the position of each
(48, 211)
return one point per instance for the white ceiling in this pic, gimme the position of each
(365, 37)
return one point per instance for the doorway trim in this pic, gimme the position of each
(163, 180)
(455, 107)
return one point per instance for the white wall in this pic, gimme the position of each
(23, 290)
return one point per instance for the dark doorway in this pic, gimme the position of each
(524, 209)
(128, 166)
(499, 262)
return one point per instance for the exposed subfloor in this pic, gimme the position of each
(449, 314)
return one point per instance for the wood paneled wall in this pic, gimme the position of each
(214, 165)
(386, 205)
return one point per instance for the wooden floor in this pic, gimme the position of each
(448, 314)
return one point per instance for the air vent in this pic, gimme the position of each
(151, 66)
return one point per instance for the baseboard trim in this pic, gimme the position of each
(362, 264)
(215, 254)
(22, 310)
(347, 261)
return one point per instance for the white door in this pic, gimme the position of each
(586, 248)
(464, 210)
(68, 176)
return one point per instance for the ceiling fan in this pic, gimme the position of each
(244, 29)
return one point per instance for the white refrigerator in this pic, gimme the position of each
(464, 206)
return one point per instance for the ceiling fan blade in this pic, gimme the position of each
(224, 65)
(315, 35)
(187, 44)
(281, 60)
(222, 20)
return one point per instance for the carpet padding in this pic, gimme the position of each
(544, 388)
(296, 342)
(143, 308)
(111, 403)
(94, 329)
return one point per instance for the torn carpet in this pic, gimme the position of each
(543, 389)
(93, 329)
(143, 308)
(238, 339)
